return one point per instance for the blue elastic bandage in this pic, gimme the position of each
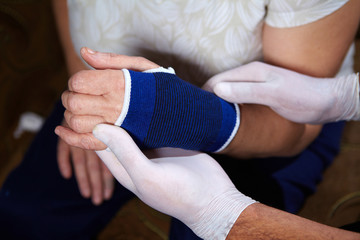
(161, 110)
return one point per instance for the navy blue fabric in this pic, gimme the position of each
(179, 231)
(355, 227)
(141, 109)
(298, 179)
(291, 178)
(37, 203)
(166, 111)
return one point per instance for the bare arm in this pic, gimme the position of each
(315, 49)
(72, 59)
(262, 222)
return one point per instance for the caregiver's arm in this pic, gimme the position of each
(315, 49)
(213, 208)
(259, 221)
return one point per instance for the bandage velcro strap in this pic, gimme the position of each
(162, 110)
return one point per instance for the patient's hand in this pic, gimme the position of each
(96, 96)
(93, 178)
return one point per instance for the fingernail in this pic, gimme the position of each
(90, 51)
(56, 131)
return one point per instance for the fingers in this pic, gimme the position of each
(92, 176)
(101, 60)
(79, 162)
(84, 104)
(94, 172)
(81, 140)
(63, 159)
(89, 176)
(124, 148)
(97, 82)
(108, 181)
(81, 123)
(114, 166)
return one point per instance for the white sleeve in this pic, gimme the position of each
(285, 13)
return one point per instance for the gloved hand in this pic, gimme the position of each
(294, 96)
(187, 185)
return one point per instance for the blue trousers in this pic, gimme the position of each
(37, 203)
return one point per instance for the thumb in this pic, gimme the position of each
(124, 148)
(116, 169)
(243, 92)
(101, 60)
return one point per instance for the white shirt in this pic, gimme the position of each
(198, 38)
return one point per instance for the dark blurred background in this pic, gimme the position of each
(33, 76)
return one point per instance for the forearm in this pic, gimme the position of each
(262, 222)
(61, 15)
(263, 133)
(315, 49)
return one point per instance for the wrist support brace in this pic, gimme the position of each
(161, 110)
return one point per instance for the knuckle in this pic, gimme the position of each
(64, 97)
(75, 123)
(109, 58)
(141, 60)
(73, 103)
(67, 117)
(112, 55)
(76, 80)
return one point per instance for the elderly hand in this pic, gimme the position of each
(188, 185)
(96, 96)
(93, 178)
(294, 96)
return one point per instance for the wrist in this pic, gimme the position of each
(161, 110)
(217, 219)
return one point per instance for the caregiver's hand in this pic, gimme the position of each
(188, 185)
(96, 96)
(297, 97)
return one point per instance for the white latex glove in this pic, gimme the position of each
(187, 185)
(294, 96)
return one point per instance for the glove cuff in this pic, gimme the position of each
(357, 107)
(351, 100)
(220, 215)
